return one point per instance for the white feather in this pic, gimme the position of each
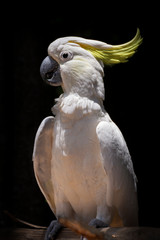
(117, 162)
(81, 161)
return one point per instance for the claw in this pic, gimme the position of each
(52, 230)
(97, 223)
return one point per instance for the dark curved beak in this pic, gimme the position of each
(50, 72)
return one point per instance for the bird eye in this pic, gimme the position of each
(66, 56)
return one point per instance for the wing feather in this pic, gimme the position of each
(121, 185)
(42, 155)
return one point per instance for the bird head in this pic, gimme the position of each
(77, 64)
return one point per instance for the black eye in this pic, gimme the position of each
(65, 55)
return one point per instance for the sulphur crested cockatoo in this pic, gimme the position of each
(81, 160)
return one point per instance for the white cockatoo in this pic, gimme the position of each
(81, 160)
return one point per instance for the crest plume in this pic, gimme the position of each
(112, 54)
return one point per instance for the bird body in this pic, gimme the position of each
(81, 160)
(76, 146)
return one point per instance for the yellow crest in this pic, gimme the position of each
(113, 54)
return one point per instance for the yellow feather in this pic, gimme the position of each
(115, 53)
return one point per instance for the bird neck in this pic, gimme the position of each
(73, 106)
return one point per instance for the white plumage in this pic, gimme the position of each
(81, 160)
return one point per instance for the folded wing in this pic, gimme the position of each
(42, 156)
(121, 184)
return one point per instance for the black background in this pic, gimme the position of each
(131, 96)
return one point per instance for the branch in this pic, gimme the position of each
(110, 233)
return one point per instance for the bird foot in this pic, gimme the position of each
(52, 230)
(97, 224)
